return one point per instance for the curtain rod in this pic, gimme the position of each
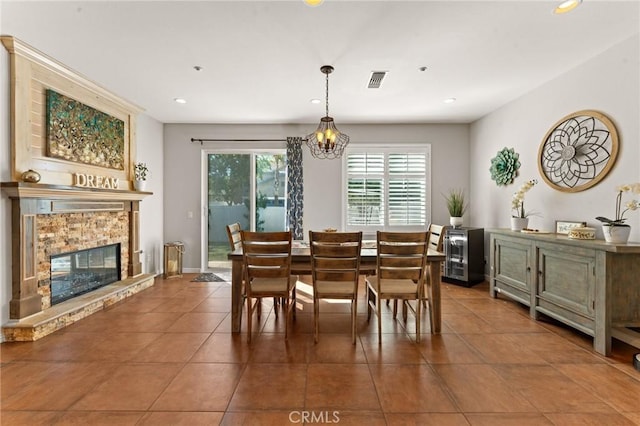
(238, 140)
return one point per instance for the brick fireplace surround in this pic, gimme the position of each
(53, 219)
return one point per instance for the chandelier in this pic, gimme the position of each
(327, 142)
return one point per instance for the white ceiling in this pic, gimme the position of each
(261, 59)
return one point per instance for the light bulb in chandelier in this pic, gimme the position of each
(326, 138)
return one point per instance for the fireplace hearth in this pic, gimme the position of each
(82, 271)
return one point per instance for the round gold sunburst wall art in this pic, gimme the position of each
(578, 151)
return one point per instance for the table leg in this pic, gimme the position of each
(236, 296)
(434, 272)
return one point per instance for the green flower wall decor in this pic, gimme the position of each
(504, 166)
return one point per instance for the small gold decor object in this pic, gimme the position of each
(582, 233)
(330, 230)
(31, 176)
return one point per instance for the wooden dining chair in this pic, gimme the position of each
(233, 234)
(267, 271)
(436, 240)
(335, 269)
(436, 237)
(401, 264)
(235, 242)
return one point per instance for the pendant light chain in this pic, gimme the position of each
(327, 95)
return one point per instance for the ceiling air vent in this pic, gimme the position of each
(376, 79)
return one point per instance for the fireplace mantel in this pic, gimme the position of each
(62, 192)
(29, 201)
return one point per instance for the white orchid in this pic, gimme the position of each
(517, 202)
(630, 205)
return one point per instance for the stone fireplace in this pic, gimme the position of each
(50, 220)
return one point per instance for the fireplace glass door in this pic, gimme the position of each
(79, 272)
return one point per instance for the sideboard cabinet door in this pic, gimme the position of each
(566, 285)
(510, 268)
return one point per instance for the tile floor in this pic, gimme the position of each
(166, 357)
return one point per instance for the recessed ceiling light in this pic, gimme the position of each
(197, 68)
(180, 100)
(315, 101)
(567, 6)
(422, 68)
(449, 100)
(314, 3)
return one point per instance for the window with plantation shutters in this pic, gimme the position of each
(387, 188)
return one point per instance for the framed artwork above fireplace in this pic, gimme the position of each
(82, 134)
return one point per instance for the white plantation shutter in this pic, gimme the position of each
(365, 196)
(387, 188)
(407, 189)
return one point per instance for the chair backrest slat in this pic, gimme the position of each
(401, 249)
(337, 250)
(336, 262)
(266, 248)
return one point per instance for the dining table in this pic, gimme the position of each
(301, 265)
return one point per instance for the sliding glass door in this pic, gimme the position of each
(248, 188)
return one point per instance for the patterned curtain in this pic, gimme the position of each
(294, 182)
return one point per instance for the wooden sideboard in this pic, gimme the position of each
(590, 285)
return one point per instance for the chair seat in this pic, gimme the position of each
(393, 286)
(334, 288)
(271, 285)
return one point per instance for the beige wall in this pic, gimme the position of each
(150, 150)
(322, 178)
(608, 83)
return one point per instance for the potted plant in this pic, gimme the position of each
(615, 230)
(456, 206)
(519, 217)
(141, 173)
